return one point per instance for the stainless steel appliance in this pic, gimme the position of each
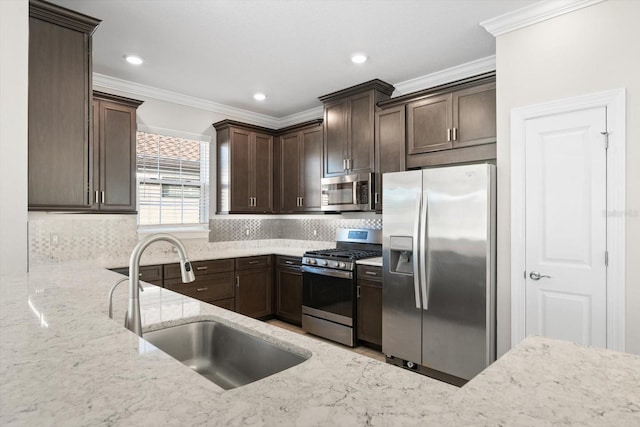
(439, 270)
(329, 284)
(348, 193)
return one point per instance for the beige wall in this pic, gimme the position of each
(14, 63)
(587, 51)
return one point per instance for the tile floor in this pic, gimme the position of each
(365, 351)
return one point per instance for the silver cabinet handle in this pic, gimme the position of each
(376, 198)
(102, 197)
(349, 164)
(344, 164)
(455, 134)
(534, 275)
(301, 201)
(202, 268)
(202, 289)
(289, 262)
(97, 199)
(237, 281)
(358, 291)
(448, 134)
(370, 273)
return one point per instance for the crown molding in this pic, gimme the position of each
(459, 72)
(303, 116)
(533, 14)
(190, 101)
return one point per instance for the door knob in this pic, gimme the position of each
(534, 275)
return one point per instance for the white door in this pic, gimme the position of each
(566, 227)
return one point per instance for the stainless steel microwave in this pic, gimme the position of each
(348, 192)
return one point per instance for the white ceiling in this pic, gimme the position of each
(293, 50)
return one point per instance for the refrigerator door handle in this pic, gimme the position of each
(416, 251)
(424, 250)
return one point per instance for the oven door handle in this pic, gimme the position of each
(327, 272)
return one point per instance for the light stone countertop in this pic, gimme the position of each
(63, 362)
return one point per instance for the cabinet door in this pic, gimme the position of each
(59, 112)
(369, 308)
(289, 172)
(474, 115)
(361, 121)
(429, 124)
(253, 292)
(390, 146)
(262, 172)
(241, 170)
(289, 294)
(311, 193)
(336, 135)
(117, 147)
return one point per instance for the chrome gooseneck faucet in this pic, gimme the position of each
(133, 321)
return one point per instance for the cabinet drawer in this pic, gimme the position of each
(370, 272)
(287, 261)
(253, 262)
(205, 288)
(200, 268)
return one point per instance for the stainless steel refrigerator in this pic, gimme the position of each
(438, 293)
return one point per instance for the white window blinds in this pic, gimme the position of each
(173, 180)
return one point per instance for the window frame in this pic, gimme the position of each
(188, 230)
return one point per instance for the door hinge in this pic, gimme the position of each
(606, 258)
(606, 139)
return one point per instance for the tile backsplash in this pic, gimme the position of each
(313, 228)
(109, 239)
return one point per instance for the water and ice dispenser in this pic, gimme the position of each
(401, 255)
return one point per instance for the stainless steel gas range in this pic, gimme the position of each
(329, 284)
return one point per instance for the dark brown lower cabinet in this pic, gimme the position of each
(254, 286)
(369, 305)
(148, 273)
(289, 289)
(214, 282)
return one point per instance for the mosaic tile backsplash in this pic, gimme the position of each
(320, 229)
(110, 239)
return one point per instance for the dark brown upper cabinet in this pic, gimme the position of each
(390, 146)
(349, 128)
(299, 168)
(114, 153)
(451, 123)
(60, 156)
(245, 168)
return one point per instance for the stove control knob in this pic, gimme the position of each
(324, 263)
(343, 265)
(311, 261)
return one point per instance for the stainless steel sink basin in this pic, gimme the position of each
(228, 357)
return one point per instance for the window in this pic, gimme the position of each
(173, 180)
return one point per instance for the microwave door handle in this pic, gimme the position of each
(416, 250)
(424, 250)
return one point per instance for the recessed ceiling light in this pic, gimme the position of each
(133, 59)
(359, 58)
(259, 96)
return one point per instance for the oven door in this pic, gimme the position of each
(328, 294)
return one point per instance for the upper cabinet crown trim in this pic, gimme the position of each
(376, 84)
(117, 98)
(447, 87)
(62, 16)
(224, 124)
(533, 14)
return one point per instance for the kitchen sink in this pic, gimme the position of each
(228, 357)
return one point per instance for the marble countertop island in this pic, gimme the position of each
(64, 362)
